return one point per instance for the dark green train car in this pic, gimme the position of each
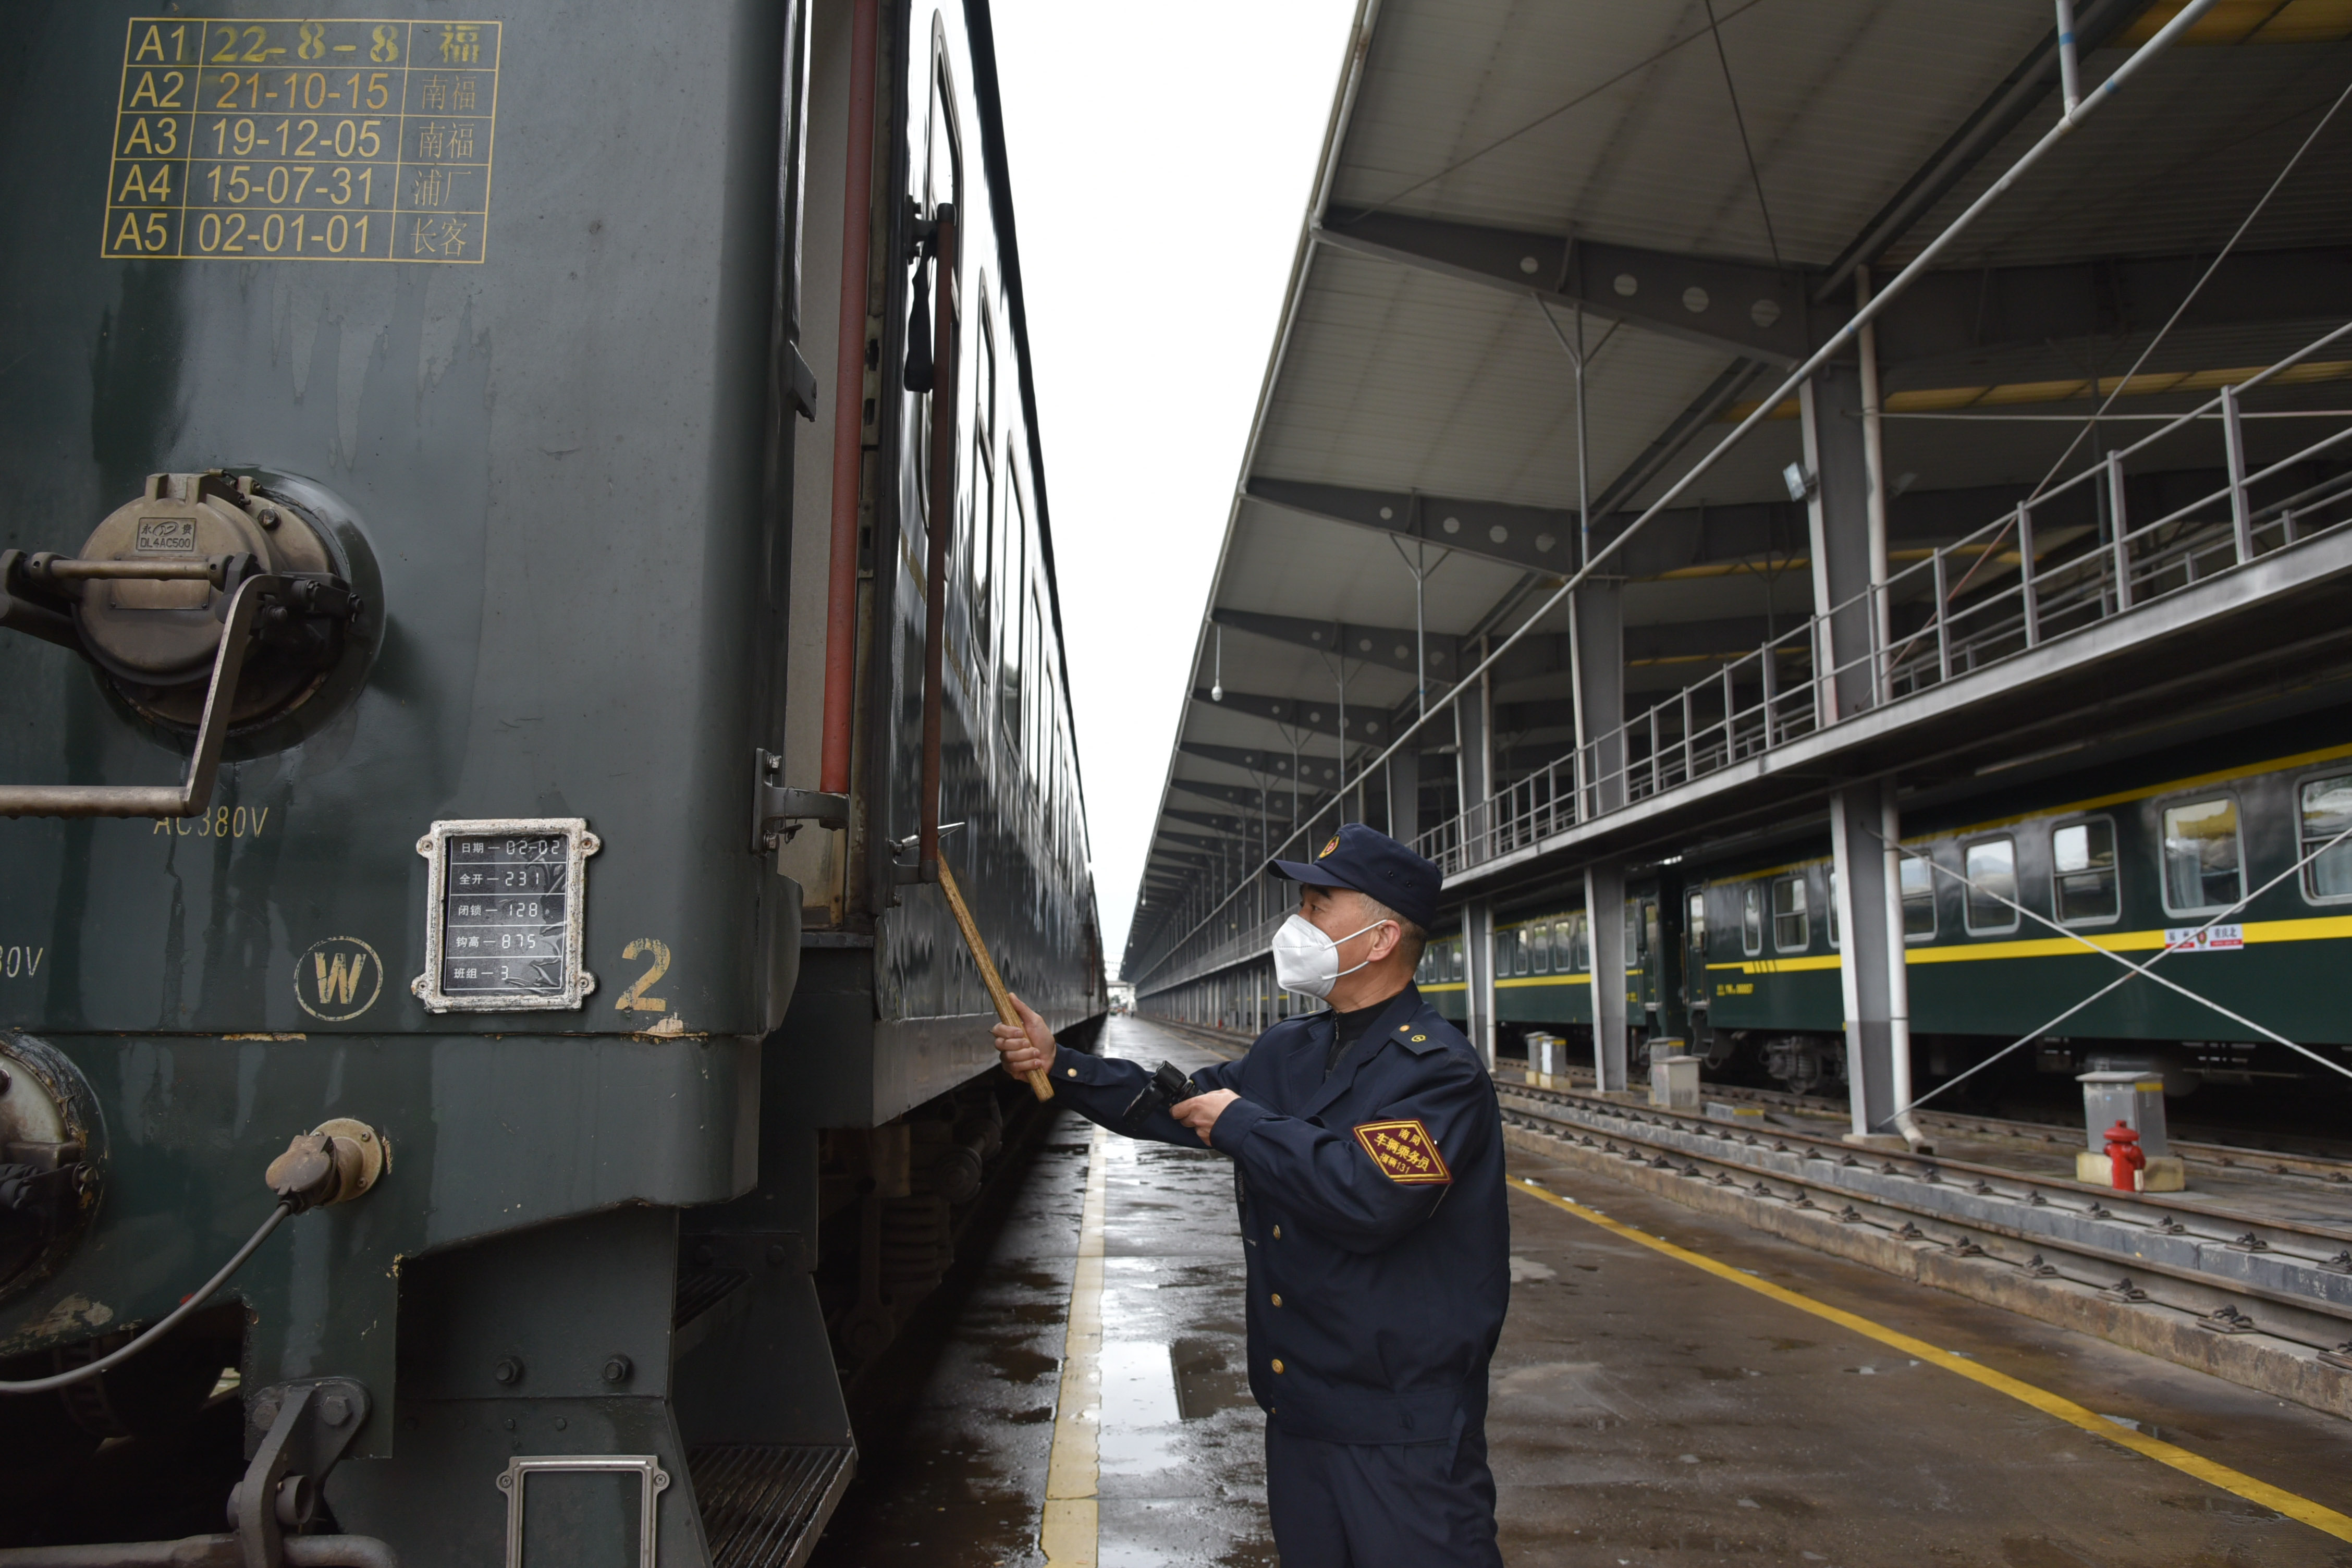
(420, 607)
(2226, 864)
(1543, 968)
(2220, 853)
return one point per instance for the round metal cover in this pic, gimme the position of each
(159, 639)
(162, 633)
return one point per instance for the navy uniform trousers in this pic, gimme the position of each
(1378, 1245)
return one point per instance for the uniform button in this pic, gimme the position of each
(1278, 1365)
(1277, 1232)
(1277, 1298)
(1073, 1072)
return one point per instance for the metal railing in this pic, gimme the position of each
(2070, 558)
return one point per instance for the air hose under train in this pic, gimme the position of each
(333, 1164)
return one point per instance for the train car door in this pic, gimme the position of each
(1642, 956)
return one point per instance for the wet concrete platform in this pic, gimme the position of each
(1645, 1412)
(961, 1479)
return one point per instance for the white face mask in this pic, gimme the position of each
(1306, 960)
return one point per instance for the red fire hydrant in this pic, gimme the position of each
(2126, 1160)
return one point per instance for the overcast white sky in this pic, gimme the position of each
(1160, 164)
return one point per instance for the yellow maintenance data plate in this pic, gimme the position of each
(303, 140)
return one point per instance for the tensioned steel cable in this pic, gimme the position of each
(1551, 114)
(2131, 969)
(2125, 380)
(2194, 290)
(2164, 39)
(2140, 969)
(1740, 119)
(169, 1321)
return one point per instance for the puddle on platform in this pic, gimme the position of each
(1210, 1376)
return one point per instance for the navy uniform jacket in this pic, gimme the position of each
(1373, 1213)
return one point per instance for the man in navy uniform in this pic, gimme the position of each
(1368, 1156)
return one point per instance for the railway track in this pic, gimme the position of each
(2293, 1165)
(2231, 1273)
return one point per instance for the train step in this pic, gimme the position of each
(763, 1504)
(699, 1289)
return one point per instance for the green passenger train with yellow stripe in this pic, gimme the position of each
(2223, 852)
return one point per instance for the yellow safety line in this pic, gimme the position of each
(2302, 1509)
(1070, 1534)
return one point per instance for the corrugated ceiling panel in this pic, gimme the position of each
(1399, 379)
(2172, 165)
(1286, 564)
(1843, 99)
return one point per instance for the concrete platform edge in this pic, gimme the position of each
(2254, 1361)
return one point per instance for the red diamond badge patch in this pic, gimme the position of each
(1404, 1152)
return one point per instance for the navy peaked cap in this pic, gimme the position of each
(1375, 864)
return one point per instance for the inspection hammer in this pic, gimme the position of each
(1039, 1085)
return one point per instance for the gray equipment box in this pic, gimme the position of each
(2135, 1099)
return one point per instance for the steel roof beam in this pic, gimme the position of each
(1219, 850)
(1311, 715)
(1541, 539)
(1676, 540)
(1265, 760)
(1389, 646)
(1761, 313)
(1948, 313)
(1229, 825)
(1734, 307)
(1246, 797)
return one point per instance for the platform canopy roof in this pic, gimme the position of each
(1696, 190)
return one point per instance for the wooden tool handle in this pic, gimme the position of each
(1039, 1085)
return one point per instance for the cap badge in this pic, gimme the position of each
(1328, 847)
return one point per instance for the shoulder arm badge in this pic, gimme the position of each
(1404, 1152)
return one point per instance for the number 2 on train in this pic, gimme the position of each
(634, 1000)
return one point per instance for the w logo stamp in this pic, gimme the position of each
(338, 979)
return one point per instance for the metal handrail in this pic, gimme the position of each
(194, 793)
(2014, 589)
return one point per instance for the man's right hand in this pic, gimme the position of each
(1026, 1047)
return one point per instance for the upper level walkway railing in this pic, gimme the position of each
(2022, 589)
(2009, 588)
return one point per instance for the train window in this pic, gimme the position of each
(1991, 866)
(1539, 944)
(1918, 883)
(980, 549)
(1458, 961)
(1575, 955)
(1792, 925)
(1694, 926)
(1035, 635)
(2327, 812)
(2201, 864)
(2082, 881)
(1751, 920)
(1829, 913)
(1010, 669)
